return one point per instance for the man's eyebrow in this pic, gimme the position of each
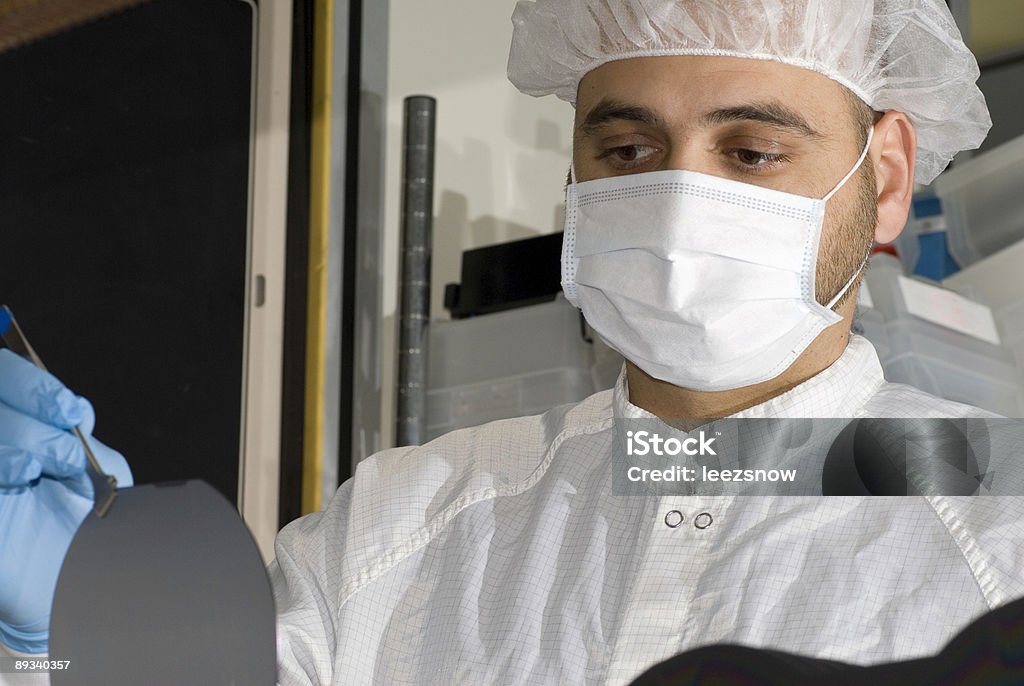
(771, 113)
(608, 111)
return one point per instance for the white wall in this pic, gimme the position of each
(502, 156)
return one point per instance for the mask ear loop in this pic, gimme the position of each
(842, 291)
(860, 161)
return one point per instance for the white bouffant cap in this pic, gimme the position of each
(904, 55)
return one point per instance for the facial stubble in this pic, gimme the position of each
(843, 250)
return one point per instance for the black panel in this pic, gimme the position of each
(124, 171)
(293, 390)
(353, 155)
(508, 275)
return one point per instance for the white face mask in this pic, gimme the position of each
(700, 281)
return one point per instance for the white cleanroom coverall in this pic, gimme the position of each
(500, 555)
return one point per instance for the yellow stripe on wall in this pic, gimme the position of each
(319, 205)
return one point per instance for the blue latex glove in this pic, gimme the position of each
(44, 493)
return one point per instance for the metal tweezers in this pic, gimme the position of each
(104, 485)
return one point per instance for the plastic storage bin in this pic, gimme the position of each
(955, 383)
(997, 281)
(941, 361)
(870, 324)
(883, 281)
(508, 343)
(507, 364)
(607, 365)
(983, 201)
(517, 396)
(1010, 321)
(954, 366)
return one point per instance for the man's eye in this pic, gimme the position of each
(627, 155)
(753, 158)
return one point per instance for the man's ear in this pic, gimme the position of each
(893, 150)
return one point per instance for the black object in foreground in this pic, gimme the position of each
(888, 456)
(989, 652)
(168, 589)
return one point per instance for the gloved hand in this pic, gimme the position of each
(44, 493)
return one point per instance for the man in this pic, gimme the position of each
(732, 164)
